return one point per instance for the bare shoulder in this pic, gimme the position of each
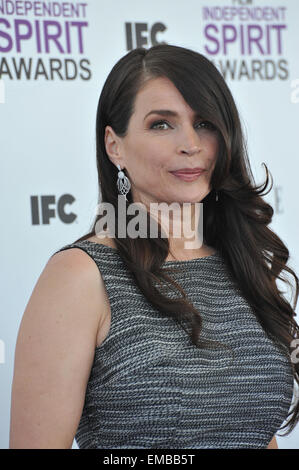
(79, 275)
(54, 352)
(83, 270)
(75, 260)
(70, 290)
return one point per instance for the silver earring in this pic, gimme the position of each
(216, 196)
(123, 182)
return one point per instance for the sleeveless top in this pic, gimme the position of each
(151, 387)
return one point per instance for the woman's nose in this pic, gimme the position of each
(190, 151)
(189, 142)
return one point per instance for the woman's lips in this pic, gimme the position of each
(187, 176)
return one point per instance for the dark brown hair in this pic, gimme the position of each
(237, 225)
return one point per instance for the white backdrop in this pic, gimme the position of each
(47, 120)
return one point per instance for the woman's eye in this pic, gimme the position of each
(207, 125)
(158, 123)
(203, 124)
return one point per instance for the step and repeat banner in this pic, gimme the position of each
(54, 59)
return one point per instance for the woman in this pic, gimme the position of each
(144, 342)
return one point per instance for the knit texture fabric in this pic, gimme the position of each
(150, 387)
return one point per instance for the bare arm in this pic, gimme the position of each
(54, 352)
(272, 444)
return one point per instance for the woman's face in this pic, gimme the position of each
(157, 144)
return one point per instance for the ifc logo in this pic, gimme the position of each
(140, 34)
(40, 206)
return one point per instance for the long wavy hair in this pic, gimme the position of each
(237, 225)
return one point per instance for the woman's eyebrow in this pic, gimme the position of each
(165, 112)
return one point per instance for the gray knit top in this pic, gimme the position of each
(150, 387)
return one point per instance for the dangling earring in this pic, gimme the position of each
(216, 196)
(123, 182)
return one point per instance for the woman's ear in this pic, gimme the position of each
(112, 146)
